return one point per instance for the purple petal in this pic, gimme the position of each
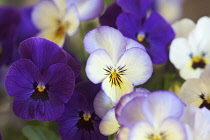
(127, 117)
(10, 18)
(110, 15)
(129, 25)
(28, 109)
(60, 79)
(26, 29)
(42, 52)
(21, 77)
(138, 92)
(88, 89)
(135, 7)
(161, 31)
(75, 66)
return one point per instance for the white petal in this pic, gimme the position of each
(71, 19)
(183, 27)
(102, 103)
(191, 91)
(138, 65)
(179, 53)
(140, 131)
(45, 19)
(51, 35)
(187, 72)
(162, 104)
(123, 133)
(114, 92)
(202, 28)
(109, 124)
(173, 129)
(88, 9)
(132, 43)
(96, 63)
(61, 6)
(107, 38)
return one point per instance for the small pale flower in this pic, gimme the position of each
(58, 20)
(196, 92)
(189, 52)
(110, 62)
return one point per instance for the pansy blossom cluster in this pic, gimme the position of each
(106, 98)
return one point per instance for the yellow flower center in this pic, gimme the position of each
(198, 62)
(156, 138)
(86, 117)
(40, 88)
(115, 79)
(61, 30)
(140, 37)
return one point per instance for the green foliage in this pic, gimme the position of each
(39, 133)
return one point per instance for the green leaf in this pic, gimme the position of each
(39, 133)
(108, 2)
(112, 137)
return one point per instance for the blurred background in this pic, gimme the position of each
(13, 128)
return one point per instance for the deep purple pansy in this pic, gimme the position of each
(79, 121)
(10, 19)
(151, 30)
(41, 81)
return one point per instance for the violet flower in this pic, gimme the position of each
(41, 81)
(79, 121)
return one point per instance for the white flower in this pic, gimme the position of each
(197, 91)
(110, 62)
(190, 51)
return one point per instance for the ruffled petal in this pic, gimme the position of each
(102, 104)
(42, 52)
(21, 77)
(138, 65)
(127, 118)
(138, 92)
(97, 62)
(106, 38)
(60, 79)
(89, 9)
(71, 19)
(109, 124)
(115, 92)
(183, 27)
(160, 105)
(45, 19)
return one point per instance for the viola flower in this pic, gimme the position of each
(147, 33)
(41, 81)
(189, 52)
(108, 111)
(79, 121)
(155, 113)
(63, 17)
(133, 21)
(10, 19)
(196, 92)
(112, 65)
(197, 123)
